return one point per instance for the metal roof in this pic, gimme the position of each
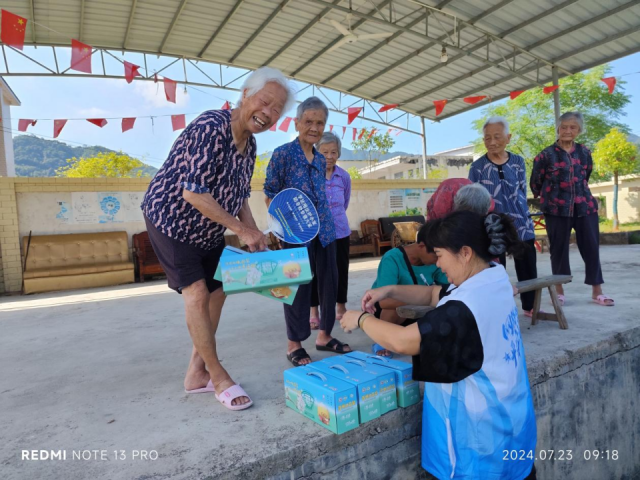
(494, 46)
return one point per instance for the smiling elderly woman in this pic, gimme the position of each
(196, 195)
(560, 177)
(299, 165)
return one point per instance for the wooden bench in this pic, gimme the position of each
(536, 284)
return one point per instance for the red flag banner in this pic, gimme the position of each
(344, 130)
(23, 124)
(353, 112)
(399, 132)
(355, 131)
(58, 125)
(473, 100)
(284, 126)
(362, 132)
(127, 123)
(390, 106)
(439, 104)
(226, 106)
(513, 95)
(100, 122)
(155, 78)
(611, 83)
(178, 122)
(80, 56)
(373, 132)
(130, 71)
(170, 89)
(13, 29)
(548, 90)
(273, 127)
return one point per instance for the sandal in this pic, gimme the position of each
(561, 299)
(334, 342)
(227, 397)
(376, 348)
(603, 299)
(315, 323)
(297, 355)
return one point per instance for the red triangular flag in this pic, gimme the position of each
(344, 130)
(362, 133)
(273, 127)
(355, 131)
(353, 112)
(611, 83)
(390, 130)
(24, 123)
(373, 131)
(100, 122)
(13, 29)
(390, 106)
(439, 104)
(170, 89)
(284, 126)
(127, 123)
(399, 132)
(513, 95)
(58, 125)
(331, 128)
(548, 90)
(473, 100)
(130, 71)
(178, 122)
(80, 56)
(155, 78)
(226, 106)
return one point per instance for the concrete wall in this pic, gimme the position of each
(628, 197)
(35, 205)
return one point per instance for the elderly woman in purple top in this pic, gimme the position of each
(338, 195)
(202, 190)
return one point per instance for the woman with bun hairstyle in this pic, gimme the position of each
(468, 351)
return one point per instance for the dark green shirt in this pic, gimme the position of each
(393, 270)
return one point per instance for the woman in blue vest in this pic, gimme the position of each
(478, 417)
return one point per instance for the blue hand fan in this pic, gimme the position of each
(292, 217)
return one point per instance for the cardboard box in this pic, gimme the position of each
(386, 379)
(325, 399)
(366, 385)
(281, 293)
(407, 388)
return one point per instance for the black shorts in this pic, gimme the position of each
(184, 264)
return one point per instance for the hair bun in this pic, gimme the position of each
(495, 230)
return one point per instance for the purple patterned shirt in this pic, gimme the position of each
(203, 159)
(338, 196)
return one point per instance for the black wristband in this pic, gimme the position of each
(360, 317)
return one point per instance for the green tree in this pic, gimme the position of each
(532, 120)
(354, 173)
(373, 145)
(103, 165)
(615, 155)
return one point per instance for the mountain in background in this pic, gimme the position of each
(634, 138)
(38, 157)
(359, 155)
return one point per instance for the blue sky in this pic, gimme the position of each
(55, 97)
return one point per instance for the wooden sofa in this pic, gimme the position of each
(70, 261)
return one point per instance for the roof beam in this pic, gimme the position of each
(81, 21)
(530, 47)
(562, 57)
(131, 15)
(231, 13)
(33, 21)
(297, 36)
(264, 25)
(183, 3)
(411, 56)
(371, 51)
(353, 27)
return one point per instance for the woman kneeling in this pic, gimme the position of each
(468, 351)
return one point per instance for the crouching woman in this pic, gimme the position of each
(478, 410)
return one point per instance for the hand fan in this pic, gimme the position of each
(292, 217)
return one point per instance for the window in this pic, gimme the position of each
(398, 175)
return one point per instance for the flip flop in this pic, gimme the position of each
(376, 347)
(208, 389)
(602, 300)
(334, 342)
(297, 355)
(230, 394)
(315, 323)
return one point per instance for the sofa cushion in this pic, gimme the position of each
(77, 269)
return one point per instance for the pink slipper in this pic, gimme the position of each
(602, 300)
(561, 299)
(230, 394)
(315, 323)
(208, 389)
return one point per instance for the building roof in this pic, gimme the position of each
(493, 46)
(11, 98)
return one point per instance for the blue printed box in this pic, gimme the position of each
(365, 383)
(407, 388)
(325, 399)
(386, 379)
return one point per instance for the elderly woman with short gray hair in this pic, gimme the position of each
(300, 165)
(560, 177)
(338, 185)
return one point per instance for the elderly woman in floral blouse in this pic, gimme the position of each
(299, 165)
(560, 177)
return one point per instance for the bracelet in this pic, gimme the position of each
(360, 318)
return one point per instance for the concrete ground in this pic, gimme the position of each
(102, 370)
